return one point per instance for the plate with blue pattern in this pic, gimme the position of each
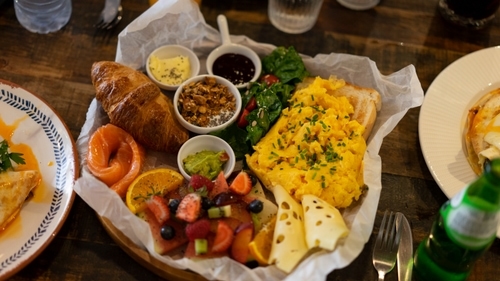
(34, 123)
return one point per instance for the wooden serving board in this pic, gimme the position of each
(145, 259)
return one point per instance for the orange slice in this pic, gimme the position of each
(260, 247)
(154, 182)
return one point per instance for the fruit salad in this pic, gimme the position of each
(208, 218)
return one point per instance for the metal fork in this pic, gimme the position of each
(110, 15)
(386, 245)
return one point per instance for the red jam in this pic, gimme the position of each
(236, 68)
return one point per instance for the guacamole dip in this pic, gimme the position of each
(206, 163)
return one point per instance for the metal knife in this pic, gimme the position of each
(405, 251)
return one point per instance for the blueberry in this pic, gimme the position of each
(167, 232)
(255, 206)
(173, 204)
(225, 198)
(206, 203)
(254, 179)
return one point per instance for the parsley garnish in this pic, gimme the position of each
(6, 158)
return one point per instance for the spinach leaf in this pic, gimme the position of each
(286, 64)
(236, 138)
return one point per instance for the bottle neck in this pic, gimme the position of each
(471, 218)
(483, 194)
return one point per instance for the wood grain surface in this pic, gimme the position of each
(394, 34)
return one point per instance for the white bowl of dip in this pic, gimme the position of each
(205, 143)
(170, 65)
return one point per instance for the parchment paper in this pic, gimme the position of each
(181, 22)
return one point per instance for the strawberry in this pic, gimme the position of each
(198, 229)
(243, 237)
(220, 185)
(159, 208)
(242, 183)
(189, 207)
(199, 181)
(223, 238)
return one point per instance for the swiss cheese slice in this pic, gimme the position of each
(289, 244)
(323, 223)
(14, 189)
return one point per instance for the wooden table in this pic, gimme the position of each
(394, 34)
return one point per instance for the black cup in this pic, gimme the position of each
(469, 13)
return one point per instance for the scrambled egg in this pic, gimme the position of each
(314, 147)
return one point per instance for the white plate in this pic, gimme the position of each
(443, 115)
(53, 146)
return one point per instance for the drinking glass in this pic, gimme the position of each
(43, 16)
(469, 13)
(294, 16)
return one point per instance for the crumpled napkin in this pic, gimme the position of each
(181, 22)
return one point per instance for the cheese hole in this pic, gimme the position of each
(295, 216)
(307, 208)
(329, 216)
(280, 238)
(319, 207)
(283, 217)
(318, 223)
(285, 206)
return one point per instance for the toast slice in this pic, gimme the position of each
(15, 187)
(366, 102)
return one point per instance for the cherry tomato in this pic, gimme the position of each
(269, 79)
(251, 105)
(242, 122)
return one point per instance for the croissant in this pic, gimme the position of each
(135, 104)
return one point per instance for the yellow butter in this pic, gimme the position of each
(171, 71)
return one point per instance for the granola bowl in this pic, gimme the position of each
(207, 103)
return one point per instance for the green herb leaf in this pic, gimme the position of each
(6, 157)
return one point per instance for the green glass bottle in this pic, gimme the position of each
(463, 231)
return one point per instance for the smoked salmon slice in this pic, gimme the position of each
(114, 157)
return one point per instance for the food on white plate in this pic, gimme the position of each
(323, 223)
(15, 187)
(171, 71)
(134, 103)
(19, 174)
(316, 147)
(114, 157)
(482, 131)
